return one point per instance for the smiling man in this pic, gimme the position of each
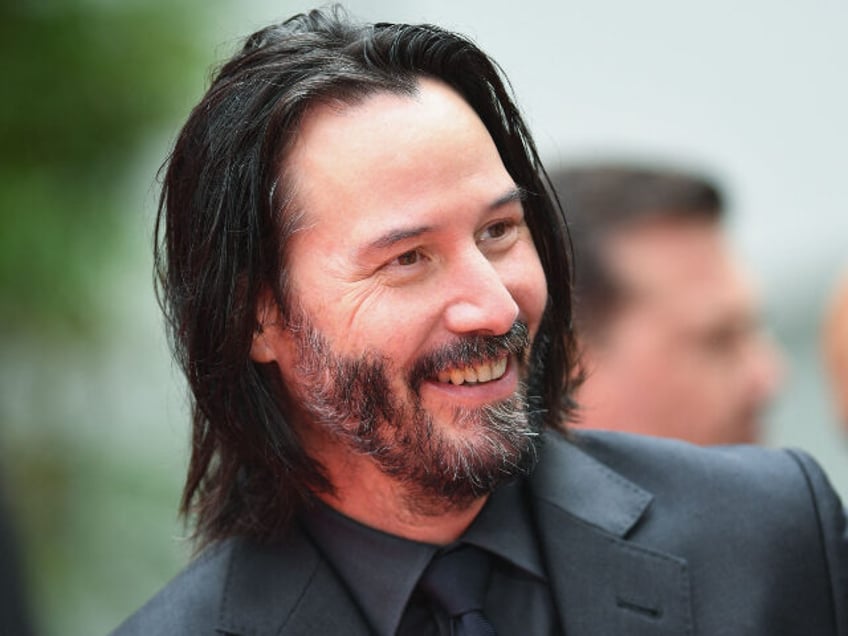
(367, 280)
(432, 237)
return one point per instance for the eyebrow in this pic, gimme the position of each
(516, 193)
(395, 236)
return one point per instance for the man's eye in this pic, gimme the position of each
(408, 258)
(724, 340)
(497, 230)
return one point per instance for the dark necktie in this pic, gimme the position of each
(457, 582)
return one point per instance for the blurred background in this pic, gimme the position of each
(93, 417)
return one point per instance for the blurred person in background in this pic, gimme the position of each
(668, 318)
(835, 349)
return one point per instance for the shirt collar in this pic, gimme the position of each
(381, 570)
(505, 527)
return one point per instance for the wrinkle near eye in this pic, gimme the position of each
(362, 298)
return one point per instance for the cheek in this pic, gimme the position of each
(643, 364)
(529, 287)
(696, 379)
(391, 324)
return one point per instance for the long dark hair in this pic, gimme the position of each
(223, 225)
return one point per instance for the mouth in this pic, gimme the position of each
(477, 373)
(474, 361)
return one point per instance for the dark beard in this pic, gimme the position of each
(352, 399)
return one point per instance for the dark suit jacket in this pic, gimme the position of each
(641, 537)
(14, 601)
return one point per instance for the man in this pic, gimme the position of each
(835, 348)
(367, 280)
(668, 318)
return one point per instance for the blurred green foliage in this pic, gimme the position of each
(88, 90)
(83, 84)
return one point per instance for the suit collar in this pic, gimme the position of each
(601, 582)
(381, 570)
(568, 478)
(285, 588)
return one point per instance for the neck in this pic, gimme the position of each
(366, 494)
(383, 513)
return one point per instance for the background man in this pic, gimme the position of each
(367, 280)
(668, 318)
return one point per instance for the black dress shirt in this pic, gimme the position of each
(382, 570)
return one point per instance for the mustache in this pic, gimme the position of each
(471, 350)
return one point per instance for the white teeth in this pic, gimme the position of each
(484, 372)
(498, 368)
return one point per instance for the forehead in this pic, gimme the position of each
(683, 268)
(393, 154)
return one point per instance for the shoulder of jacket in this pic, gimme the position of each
(190, 601)
(646, 455)
(234, 577)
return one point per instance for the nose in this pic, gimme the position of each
(479, 299)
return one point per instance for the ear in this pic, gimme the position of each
(268, 322)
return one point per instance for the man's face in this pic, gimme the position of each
(685, 356)
(415, 292)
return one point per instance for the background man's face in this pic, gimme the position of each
(685, 357)
(414, 243)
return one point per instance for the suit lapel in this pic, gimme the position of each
(602, 583)
(286, 589)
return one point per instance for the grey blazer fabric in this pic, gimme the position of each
(641, 536)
